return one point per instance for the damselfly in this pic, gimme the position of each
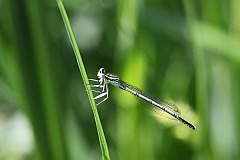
(163, 106)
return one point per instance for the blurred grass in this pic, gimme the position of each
(201, 77)
(183, 51)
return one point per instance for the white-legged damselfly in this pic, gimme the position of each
(163, 106)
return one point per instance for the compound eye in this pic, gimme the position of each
(101, 73)
(102, 70)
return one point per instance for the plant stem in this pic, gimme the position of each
(102, 140)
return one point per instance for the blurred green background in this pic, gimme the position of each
(186, 52)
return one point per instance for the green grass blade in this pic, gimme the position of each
(102, 140)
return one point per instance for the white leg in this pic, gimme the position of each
(96, 91)
(101, 84)
(97, 85)
(102, 100)
(101, 95)
(94, 80)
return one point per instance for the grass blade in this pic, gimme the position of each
(102, 140)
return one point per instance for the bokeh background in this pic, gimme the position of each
(186, 52)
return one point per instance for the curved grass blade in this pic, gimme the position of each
(102, 140)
